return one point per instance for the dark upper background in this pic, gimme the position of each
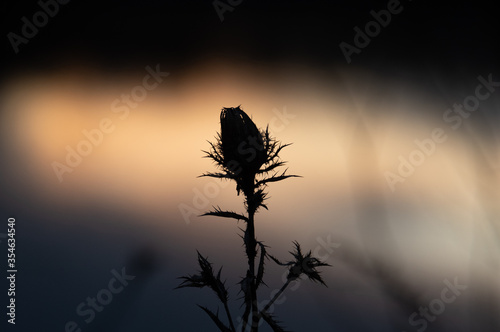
(119, 34)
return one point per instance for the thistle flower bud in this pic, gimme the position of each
(241, 145)
(241, 140)
(242, 152)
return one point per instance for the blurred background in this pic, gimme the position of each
(131, 201)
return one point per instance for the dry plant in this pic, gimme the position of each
(250, 157)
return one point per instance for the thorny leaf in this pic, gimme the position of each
(217, 175)
(206, 278)
(225, 214)
(271, 167)
(276, 178)
(302, 265)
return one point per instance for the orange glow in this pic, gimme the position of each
(341, 146)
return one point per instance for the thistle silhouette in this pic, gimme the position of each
(248, 156)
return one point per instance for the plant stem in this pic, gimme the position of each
(282, 289)
(251, 265)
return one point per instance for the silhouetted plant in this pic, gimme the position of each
(248, 156)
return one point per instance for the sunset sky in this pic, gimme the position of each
(395, 194)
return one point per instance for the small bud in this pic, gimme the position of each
(241, 144)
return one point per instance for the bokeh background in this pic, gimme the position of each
(133, 201)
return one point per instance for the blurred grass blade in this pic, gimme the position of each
(215, 318)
